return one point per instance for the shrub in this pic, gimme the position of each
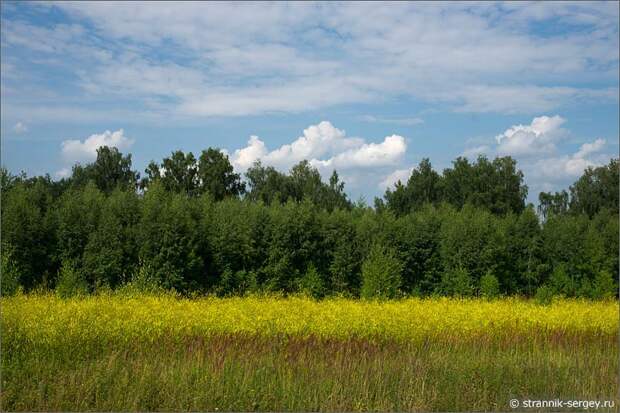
(311, 284)
(236, 283)
(560, 282)
(70, 281)
(489, 286)
(604, 285)
(9, 273)
(381, 273)
(457, 282)
(544, 295)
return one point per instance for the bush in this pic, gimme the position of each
(9, 273)
(237, 283)
(560, 282)
(70, 281)
(489, 286)
(381, 273)
(457, 282)
(604, 286)
(544, 295)
(311, 284)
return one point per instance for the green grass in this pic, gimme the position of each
(284, 372)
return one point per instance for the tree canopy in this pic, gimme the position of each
(194, 225)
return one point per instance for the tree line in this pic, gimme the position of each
(195, 226)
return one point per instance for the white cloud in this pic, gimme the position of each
(401, 175)
(388, 152)
(326, 148)
(297, 57)
(559, 168)
(317, 141)
(590, 148)
(74, 150)
(571, 166)
(538, 150)
(244, 158)
(20, 127)
(63, 173)
(477, 150)
(395, 121)
(540, 136)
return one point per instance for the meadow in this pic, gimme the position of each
(163, 352)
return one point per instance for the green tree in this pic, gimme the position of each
(169, 241)
(71, 281)
(552, 204)
(457, 282)
(110, 170)
(381, 273)
(111, 254)
(312, 284)
(267, 184)
(561, 282)
(294, 243)
(28, 232)
(177, 173)
(419, 249)
(604, 286)
(496, 186)
(9, 273)
(77, 218)
(489, 286)
(342, 256)
(595, 190)
(216, 177)
(470, 241)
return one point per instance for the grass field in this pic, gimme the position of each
(116, 352)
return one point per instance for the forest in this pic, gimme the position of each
(194, 226)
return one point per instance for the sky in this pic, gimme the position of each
(368, 89)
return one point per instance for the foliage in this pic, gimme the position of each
(457, 282)
(192, 227)
(70, 281)
(312, 284)
(110, 170)
(604, 286)
(544, 295)
(489, 286)
(496, 186)
(381, 273)
(9, 274)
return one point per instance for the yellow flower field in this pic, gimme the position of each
(120, 352)
(119, 318)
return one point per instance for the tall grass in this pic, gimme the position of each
(114, 352)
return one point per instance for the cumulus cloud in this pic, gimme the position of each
(571, 166)
(244, 158)
(538, 137)
(401, 175)
(476, 150)
(20, 128)
(541, 151)
(590, 148)
(369, 154)
(63, 173)
(74, 150)
(324, 146)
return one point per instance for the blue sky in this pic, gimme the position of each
(366, 88)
